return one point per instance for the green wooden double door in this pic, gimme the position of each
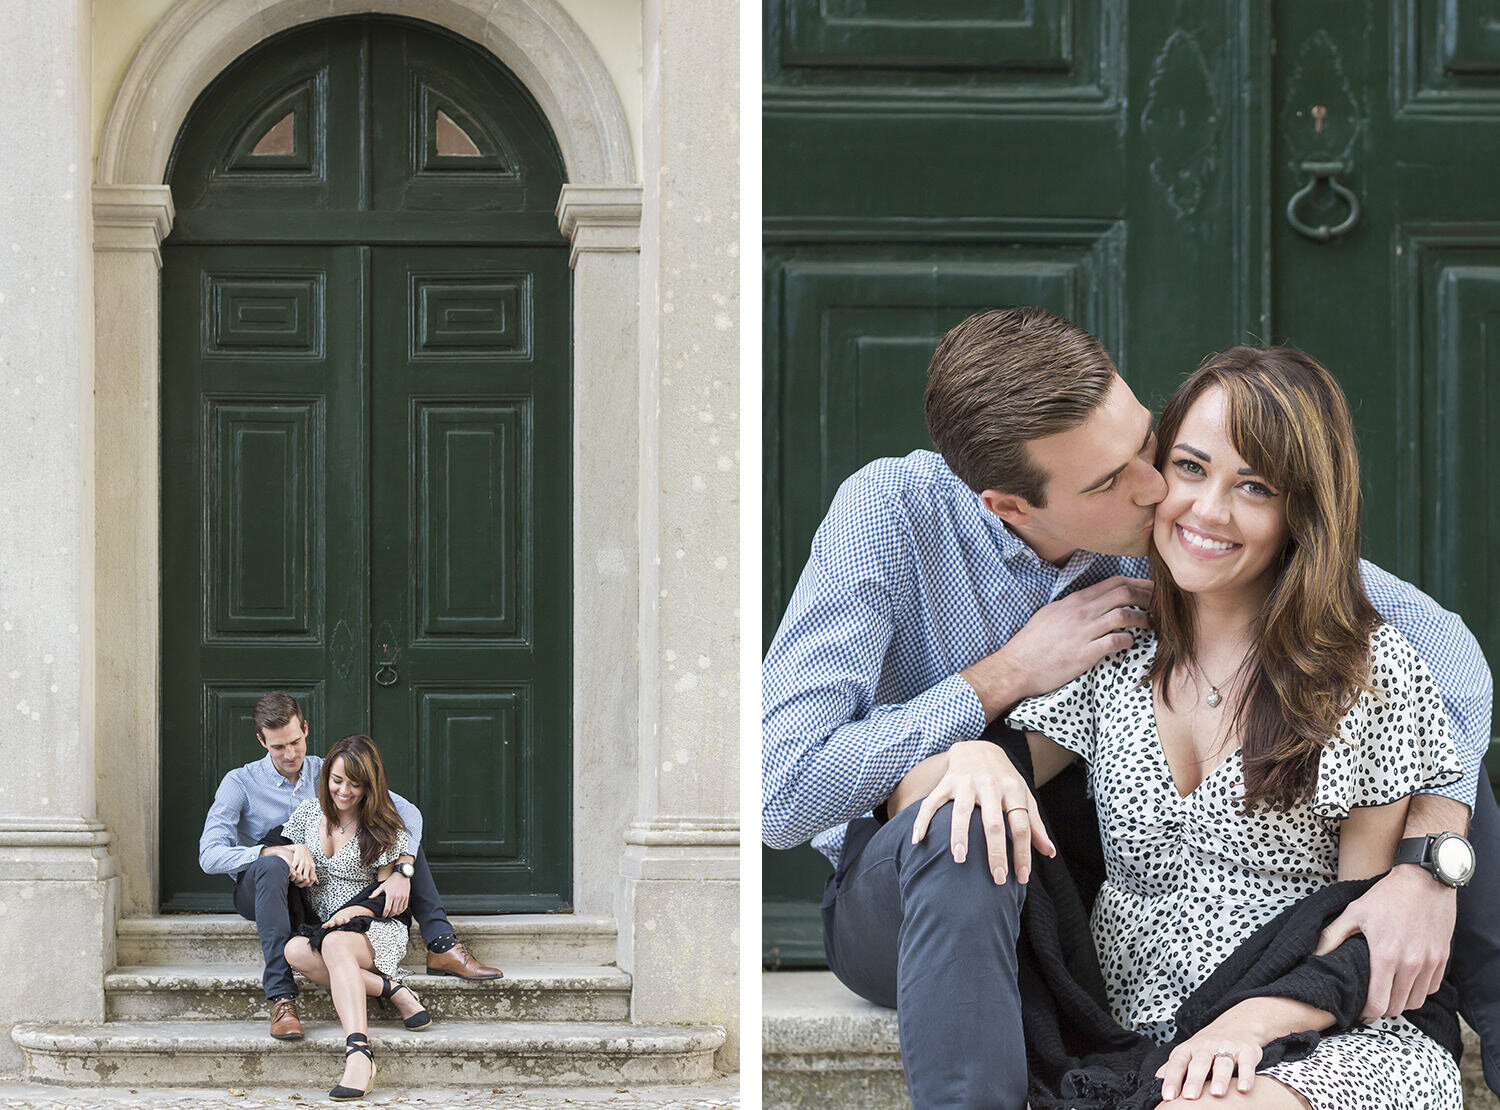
(1177, 178)
(366, 448)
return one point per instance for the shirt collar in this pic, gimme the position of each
(1015, 551)
(1011, 546)
(275, 777)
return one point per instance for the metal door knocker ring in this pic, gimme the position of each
(1323, 171)
(386, 674)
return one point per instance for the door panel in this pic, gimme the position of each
(1401, 308)
(471, 408)
(263, 473)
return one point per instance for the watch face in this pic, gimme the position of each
(1454, 859)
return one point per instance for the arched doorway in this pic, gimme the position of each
(366, 401)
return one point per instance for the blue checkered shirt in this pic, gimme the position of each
(910, 580)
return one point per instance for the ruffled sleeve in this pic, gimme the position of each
(1394, 742)
(1065, 716)
(301, 826)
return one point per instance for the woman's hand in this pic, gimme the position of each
(346, 915)
(980, 774)
(1233, 1043)
(1214, 1055)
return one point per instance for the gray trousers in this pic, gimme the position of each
(905, 926)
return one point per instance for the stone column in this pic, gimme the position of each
(603, 223)
(679, 915)
(130, 222)
(58, 890)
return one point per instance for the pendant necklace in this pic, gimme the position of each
(1214, 697)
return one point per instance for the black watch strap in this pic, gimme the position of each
(1415, 849)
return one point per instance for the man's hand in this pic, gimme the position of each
(397, 893)
(1407, 917)
(1060, 642)
(980, 774)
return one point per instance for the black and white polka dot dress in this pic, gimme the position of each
(344, 876)
(1190, 877)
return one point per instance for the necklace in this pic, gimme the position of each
(1214, 697)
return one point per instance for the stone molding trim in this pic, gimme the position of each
(54, 848)
(682, 848)
(683, 833)
(536, 39)
(603, 218)
(51, 832)
(132, 218)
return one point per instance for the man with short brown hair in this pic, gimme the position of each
(256, 799)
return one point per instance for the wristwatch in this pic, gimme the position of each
(1448, 857)
(409, 870)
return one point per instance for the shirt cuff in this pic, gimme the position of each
(949, 712)
(240, 858)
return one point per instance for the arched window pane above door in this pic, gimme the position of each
(282, 137)
(453, 139)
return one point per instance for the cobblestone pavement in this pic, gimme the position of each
(720, 1094)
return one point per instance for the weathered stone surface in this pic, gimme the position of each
(527, 993)
(239, 1054)
(719, 1093)
(823, 1046)
(512, 940)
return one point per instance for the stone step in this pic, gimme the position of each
(176, 940)
(234, 1054)
(823, 1046)
(528, 992)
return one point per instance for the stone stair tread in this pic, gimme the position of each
(181, 1037)
(505, 941)
(522, 977)
(465, 1053)
(811, 1011)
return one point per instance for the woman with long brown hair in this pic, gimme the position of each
(1259, 745)
(356, 836)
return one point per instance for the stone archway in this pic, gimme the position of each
(599, 212)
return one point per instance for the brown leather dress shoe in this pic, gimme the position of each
(457, 961)
(285, 1024)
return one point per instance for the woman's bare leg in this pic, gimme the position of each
(309, 964)
(349, 957)
(1267, 1094)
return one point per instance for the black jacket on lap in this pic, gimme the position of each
(1080, 1058)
